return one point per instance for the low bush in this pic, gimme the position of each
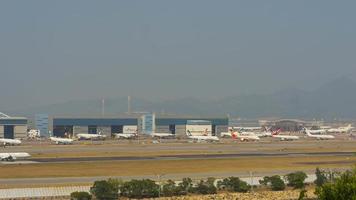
(104, 190)
(206, 187)
(344, 188)
(296, 179)
(140, 189)
(234, 184)
(80, 196)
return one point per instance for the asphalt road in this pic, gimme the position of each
(183, 157)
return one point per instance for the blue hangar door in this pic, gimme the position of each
(9, 132)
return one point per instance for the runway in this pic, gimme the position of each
(186, 157)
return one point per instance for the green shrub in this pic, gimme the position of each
(104, 190)
(206, 187)
(344, 188)
(80, 196)
(277, 184)
(296, 179)
(140, 189)
(321, 178)
(186, 186)
(265, 181)
(170, 189)
(234, 184)
(302, 194)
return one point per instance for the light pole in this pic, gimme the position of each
(159, 176)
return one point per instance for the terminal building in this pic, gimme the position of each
(138, 123)
(71, 126)
(12, 127)
(197, 125)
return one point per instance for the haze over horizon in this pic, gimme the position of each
(58, 51)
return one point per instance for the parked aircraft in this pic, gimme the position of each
(13, 156)
(58, 140)
(319, 137)
(244, 136)
(240, 128)
(200, 138)
(162, 135)
(225, 134)
(8, 142)
(275, 134)
(87, 136)
(319, 131)
(125, 135)
(346, 129)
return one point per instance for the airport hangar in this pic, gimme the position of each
(12, 127)
(141, 123)
(291, 125)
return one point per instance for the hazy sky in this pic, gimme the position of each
(55, 51)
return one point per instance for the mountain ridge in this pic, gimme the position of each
(334, 99)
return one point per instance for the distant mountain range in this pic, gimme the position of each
(336, 99)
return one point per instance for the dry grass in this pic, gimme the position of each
(137, 168)
(134, 149)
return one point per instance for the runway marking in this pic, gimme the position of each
(186, 157)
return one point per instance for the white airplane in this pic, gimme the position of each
(244, 136)
(225, 134)
(319, 137)
(200, 138)
(346, 129)
(162, 135)
(266, 133)
(275, 134)
(319, 131)
(259, 134)
(13, 156)
(87, 136)
(240, 128)
(58, 140)
(125, 135)
(12, 142)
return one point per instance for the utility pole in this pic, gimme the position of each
(128, 104)
(103, 107)
(251, 179)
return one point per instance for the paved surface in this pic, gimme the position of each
(192, 156)
(13, 182)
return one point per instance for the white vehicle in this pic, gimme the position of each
(245, 136)
(8, 142)
(125, 135)
(346, 129)
(87, 136)
(319, 137)
(162, 135)
(200, 138)
(58, 140)
(13, 156)
(275, 134)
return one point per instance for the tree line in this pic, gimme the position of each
(329, 186)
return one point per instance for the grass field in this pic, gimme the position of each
(134, 149)
(150, 167)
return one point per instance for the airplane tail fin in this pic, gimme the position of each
(276, 132)
(307, 132)
(189, 133)
(265, 128)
